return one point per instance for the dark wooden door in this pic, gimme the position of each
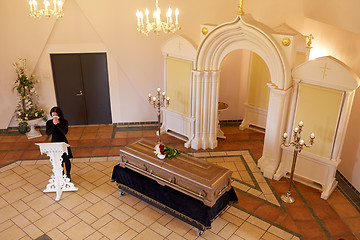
(82, 88)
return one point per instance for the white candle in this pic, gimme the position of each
(285, 135)
(163, 93)
(176, 15)
(301, 142)
(154, 99)
(147, 15)
(168, 15)
(312, 135)
(149, 95)
(301, 123)
(138, 17)
(46, 4)
(158, 89)
(141, 18)
(154, 16)
(296, 129)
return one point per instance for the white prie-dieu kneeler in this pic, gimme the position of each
(58, 182)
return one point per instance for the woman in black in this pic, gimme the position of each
(57, 127)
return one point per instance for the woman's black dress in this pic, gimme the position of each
(58, 133)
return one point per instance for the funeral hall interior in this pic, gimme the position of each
(239, 74)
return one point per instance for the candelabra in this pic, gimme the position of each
(158, 101)
(56, 11)
(298, 145)
(157, 25)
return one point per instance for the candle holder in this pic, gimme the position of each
(159, 101)
(298, 145)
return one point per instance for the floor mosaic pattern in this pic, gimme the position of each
(97, 211)
(28, 213)
(246, 175)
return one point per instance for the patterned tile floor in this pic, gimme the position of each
(97, 211)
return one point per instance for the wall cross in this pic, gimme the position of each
(179, 44)
(324, 70)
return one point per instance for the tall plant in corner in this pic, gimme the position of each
(27, 108)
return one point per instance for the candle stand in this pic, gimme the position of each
(298, 145)
(159, 101)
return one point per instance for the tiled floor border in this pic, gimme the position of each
(318, 220)
(348, 190)
(269, 222)
(343, 185)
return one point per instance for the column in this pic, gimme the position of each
(206, 98)
(275, 125)
(196, 141)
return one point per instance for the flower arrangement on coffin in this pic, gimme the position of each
(27, 108)
(162, 151)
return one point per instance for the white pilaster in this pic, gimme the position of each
(196, 142)
(206, 88)
(275, 125)
(215, 79)
(342, 125)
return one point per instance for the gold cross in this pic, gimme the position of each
(324, 70)
(180, 45)
(309, 42)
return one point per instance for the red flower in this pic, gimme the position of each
(161, 146)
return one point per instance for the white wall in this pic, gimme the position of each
(136, 62)
(233, 88)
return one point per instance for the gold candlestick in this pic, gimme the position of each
(159, 101)
(298, 144)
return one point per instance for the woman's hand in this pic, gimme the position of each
(56, 120)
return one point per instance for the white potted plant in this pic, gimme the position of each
(27, 111)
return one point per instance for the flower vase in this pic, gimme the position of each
(161, 156)
(34, 133)
(158, 149)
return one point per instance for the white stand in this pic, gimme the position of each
(33, 133)
(58, 182)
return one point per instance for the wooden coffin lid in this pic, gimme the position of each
(194, 169)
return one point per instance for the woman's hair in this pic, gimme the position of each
(58, 111)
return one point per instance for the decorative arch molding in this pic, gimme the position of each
(243, 33)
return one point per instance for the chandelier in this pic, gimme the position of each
(157, 25)
(46, 11)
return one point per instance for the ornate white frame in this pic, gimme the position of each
(311, 169)
(243, 33)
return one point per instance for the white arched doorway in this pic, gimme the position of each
(243, 33)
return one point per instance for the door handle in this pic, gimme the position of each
(80, 93)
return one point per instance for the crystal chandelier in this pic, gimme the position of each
(46, 11)
(157, 25)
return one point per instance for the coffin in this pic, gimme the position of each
(195, 177)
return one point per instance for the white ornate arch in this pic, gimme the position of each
(243, 33)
